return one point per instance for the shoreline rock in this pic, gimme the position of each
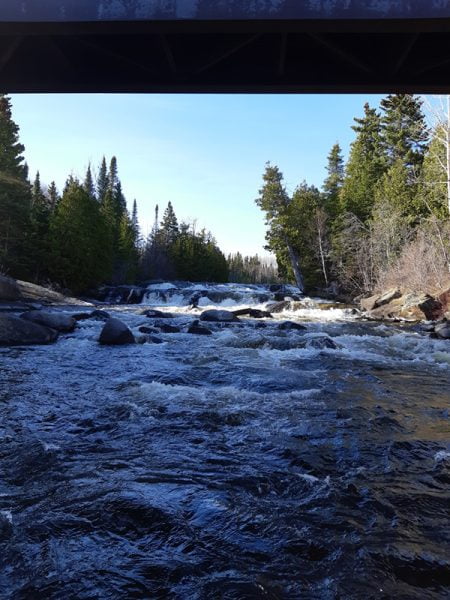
(15, 331)
(395, 305)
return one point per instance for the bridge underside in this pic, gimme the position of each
(226, 56)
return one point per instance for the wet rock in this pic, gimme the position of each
(378, 300)
(154, 340)
(15, 331)
(197, 329)
(59, 321)
(254, 313)
(322, 343)
(33, 292)
(156, 314)
(408, 307)
(442, 330)
(140, 339)
(115, 333)
(218, 316)
(9, 290)
(100, 315)
(277, 307)
(291, 325)
(165, 328)
(145, 329)
(81, 316)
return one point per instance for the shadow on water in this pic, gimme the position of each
(222, 469)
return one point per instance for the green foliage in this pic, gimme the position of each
(15, 197)
(432, 193)
(79, 256)
(334, 180)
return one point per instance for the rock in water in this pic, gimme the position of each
(199, 330)
(254, 313)
(15, 331)
(115, 333)
(156, 314)
(9, 289)
(59, 321)
(290, 325)
(100, 315)
(322, 342)
(218, 316)
(277, 307)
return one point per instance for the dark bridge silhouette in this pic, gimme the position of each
(224, 45)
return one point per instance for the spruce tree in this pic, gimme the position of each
(53, 196)
(102, 181)
(39, 239)
(404, 131)
(274, 201)
(89, 183)
(79, 250)
(169, 226)
(365, 166)
(334, 180)
(15, 196)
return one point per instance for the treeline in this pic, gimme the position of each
(251, 269)
(380, 219)
(86, 235)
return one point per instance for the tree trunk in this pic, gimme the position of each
(295, 267)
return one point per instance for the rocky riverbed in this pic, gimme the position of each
(304, 454)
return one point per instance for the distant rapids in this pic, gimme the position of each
(259, 462)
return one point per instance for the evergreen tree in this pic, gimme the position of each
(274, 201)
(102, 181)
(15, 196)
(365, 166)
(89, 183)
(79, 257)
(53, 196)
(39, 238)
(169, 226)
(334, 180)
(405, 134)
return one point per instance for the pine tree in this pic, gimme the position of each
(102, 181)
(53, 196)
(274, 201)
(79, 250)
(365, 166)
(405, 133)
(169, 226)
(15, 196)
(334, 180)
(89, 183)
(39, 239)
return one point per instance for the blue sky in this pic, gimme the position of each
(204, 153)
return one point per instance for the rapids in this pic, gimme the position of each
(254, 463)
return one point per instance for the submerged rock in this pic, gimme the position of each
(218, 316)
(165, 328)
(115, 333)
(254, 313)
(59, 321)
(156, 314)
(289, 325)
(322, 342)
(100, 315)
(15, 331)
(145, 329)
(197, 329)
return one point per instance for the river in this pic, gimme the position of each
(254, 463)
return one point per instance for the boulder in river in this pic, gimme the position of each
(115, 333)
(55, 320)
(156, 314)
(100, 315)
(291, 325)
(165, 328)
(197, 329)
(277, 307)
(15, 331)
(145, 329)
(322, 342)
(254, 313)
(408, 307)
(218, 316)
(9, 290)
(380, 299)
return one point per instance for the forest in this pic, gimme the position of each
(381, 219)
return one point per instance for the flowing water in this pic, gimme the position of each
(256, 462)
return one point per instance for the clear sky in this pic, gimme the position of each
(204, 153)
